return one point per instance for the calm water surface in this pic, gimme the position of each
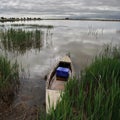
(82, 39)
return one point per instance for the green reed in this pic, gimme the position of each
(9, 79)
(95, 95)
(33, 25)
(19, 40)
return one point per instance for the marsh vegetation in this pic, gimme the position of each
(15, 41)
(19, 40)
(96, 94)
(9, 80)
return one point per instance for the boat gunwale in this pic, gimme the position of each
(52, 73)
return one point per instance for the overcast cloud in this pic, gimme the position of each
(61, 8)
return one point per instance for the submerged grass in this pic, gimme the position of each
(94, 96)
(19, 40)
(9, 80)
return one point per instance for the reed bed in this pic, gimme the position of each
(19, 40)
(95, 95)
(9, 80)
(33, 25)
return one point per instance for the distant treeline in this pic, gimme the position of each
(12, 19)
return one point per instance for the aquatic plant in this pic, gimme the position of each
(95, 95)
(33, 25)
(19, 40)
(9, 80)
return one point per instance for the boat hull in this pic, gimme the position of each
(52, 97)
(55, 85)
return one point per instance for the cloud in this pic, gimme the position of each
(58, 7)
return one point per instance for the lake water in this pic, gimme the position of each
(82, 39)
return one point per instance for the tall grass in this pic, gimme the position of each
(18, 40)
(94, 96)
(9, 80)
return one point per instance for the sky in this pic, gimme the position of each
(61, 8)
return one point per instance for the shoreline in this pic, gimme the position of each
(36, 19)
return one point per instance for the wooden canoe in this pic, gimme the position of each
(55, 85)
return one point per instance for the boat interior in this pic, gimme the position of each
(56, 82)
(65, 65)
